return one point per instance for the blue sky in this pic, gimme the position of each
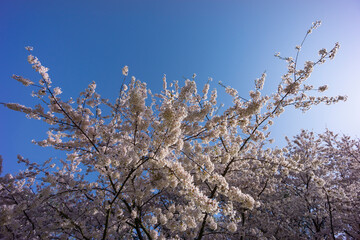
(230, 41)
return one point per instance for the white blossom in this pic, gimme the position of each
(232, 227)
(24, 81)
(125, 70)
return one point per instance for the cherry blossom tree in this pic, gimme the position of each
(171, 165)
(317, 197)
(327, 189)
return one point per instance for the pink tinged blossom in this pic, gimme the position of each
(333, 51)
(232, 227)
(323, 88)
(125, 70)
(164, 82)
(19, 107)
(231, 91)
(24, 81)
(57, 91)
(205, 90)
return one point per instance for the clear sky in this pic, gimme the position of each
(231, 41)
